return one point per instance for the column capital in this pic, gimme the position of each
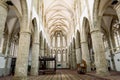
(83, 42)
(78, 48)
(95, 31)
(37, 43)
(25, 32)
(3, 4)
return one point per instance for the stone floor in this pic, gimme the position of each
(70, 75)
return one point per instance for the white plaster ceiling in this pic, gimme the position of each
(58, 15)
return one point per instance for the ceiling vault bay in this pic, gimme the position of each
(58, 16)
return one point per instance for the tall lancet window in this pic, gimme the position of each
(58, 40)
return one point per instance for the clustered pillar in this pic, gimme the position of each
(85, 55)
(21, 69)
(70, 57)
(74, 55)
(100, 60)
(98, 47)
(45, 48)
(85, 50)
(78, 51)
(22, 56)
(78, 55)
(42, 47)
(35, 54)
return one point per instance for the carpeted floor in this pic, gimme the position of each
(64, 75)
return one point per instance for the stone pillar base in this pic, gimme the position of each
(34, 71)
(20, 78)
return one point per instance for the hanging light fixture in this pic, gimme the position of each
(114, 2)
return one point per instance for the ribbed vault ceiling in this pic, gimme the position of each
(58, 15)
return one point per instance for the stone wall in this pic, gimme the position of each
(2, 66)
(117, 61)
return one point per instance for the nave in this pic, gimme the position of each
(66, 74)
(71, 31)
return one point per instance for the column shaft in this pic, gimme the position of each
(70, 58)
(45, 49)
(85, 55)
(74, 59)
(35, 59)
(22, 56)
(42, 52)
(78, 55)
(100, 60)
(73, 55)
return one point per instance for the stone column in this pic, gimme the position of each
(42, 47)
(35, 54)
(48, 54)
(49, 51)
(85, 55)
(45, 48)
(3, 16)
(70, 57)
(24, 45)
(22, 56)
(85, 50)
(61, 52)
(78, 55)
(98, 47)
(100, 60)
(67, 58)
(67, 55)
(74, 56)
(78, 51)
